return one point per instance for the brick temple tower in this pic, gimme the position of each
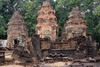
(16, 29)
(76, 25)
(47, 26)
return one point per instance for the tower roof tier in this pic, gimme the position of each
(16, 18)
(46, 3)
(75, 13)
(76, 18)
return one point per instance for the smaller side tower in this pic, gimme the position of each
(16, 30)
(76, 25)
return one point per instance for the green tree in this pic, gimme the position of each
(2, 27)
(29, 9)
(87, 7)
(30, 12)
(97, 33)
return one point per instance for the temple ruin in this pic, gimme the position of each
(47, 26)
(76, 26)
(16, 29)
(75, 49)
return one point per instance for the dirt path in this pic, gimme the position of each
(12, 66)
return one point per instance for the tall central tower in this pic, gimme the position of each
(47, 26)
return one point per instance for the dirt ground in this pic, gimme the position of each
(57, 64)
(12, 66)
(9, 59)
(11, 63)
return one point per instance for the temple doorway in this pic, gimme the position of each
(16, 43)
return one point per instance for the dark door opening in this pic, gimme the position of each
(16, 43)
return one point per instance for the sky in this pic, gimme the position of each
(54, 0)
